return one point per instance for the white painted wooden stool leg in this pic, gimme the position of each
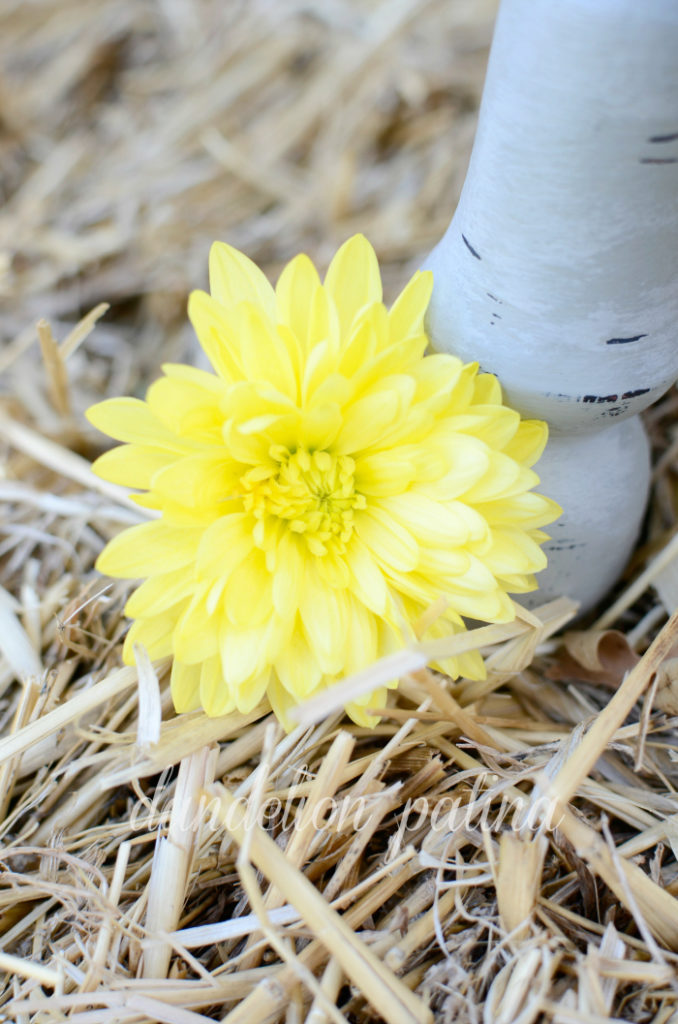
(559, 271)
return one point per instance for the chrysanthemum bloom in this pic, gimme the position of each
(318, 491)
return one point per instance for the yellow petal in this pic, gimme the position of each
(361, 638)
(264, 354)
(159, 593)
(215, 696)
(481, 606)
(487, 390)
(304, 306)
(503, 478)
(318, 428)
(517, 583)
(142, 550)
(234, 278)
(367, 579)
(359, 349)
(429, 522)
(386, 539)
(154, 633)
(282, 702)
(130, 419)
(526, 510)
(443, 561)
(241, 653)
(132, 465)
(185, 686)
(366, 421)
(353, 279)
(200, 480)
(384, 473)
(224, 545)
(496, 425)
(406, 316)
(217, 332)
(324, 616)
(188, 409)
(287, 580)
(468, 460)
(397, 358)
(512, 551)
(297, 667)
(249, 591)
(359, 712)
(250, 694)
(196, 634)
(528, 442)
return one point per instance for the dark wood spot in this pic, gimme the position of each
(470, 248)
(663, 138)
(600, 398)
(659, 160)
(625, 341)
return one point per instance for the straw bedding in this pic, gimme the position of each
(182, 869)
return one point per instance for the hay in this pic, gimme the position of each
(498, 851)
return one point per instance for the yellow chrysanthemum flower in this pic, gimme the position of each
(318, 491)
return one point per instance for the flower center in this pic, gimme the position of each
(311, 493)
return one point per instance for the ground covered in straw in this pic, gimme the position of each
(156, 868)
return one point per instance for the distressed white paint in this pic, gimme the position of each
(601, 480)
(559, 271)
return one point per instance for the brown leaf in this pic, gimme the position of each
(596, 656)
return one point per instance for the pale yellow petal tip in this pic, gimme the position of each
(95, 415)
(97, 465)
(427, 281)
(197, 300)
(358, 241)
(555, 510)
(107, 565)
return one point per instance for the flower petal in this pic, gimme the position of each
(234, 278)
(324, 615)
(215, 696)
(224, 545)
(241, 653)
(185, 686)
(406, 316)
(353, 279)
(188, 409)
(297, 666)
(132, 465)
(429, 522)
(367, 579)
(249, 591)
(130, 419)
(196, 633)
(528, 443)
(204, 481)
(158, 593)
(154, 633)
(217, 331)
(141, 550)
(248, 696)
(264, 354)
(386, 539)
(366, 421)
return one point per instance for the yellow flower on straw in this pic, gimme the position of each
(318, 491)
